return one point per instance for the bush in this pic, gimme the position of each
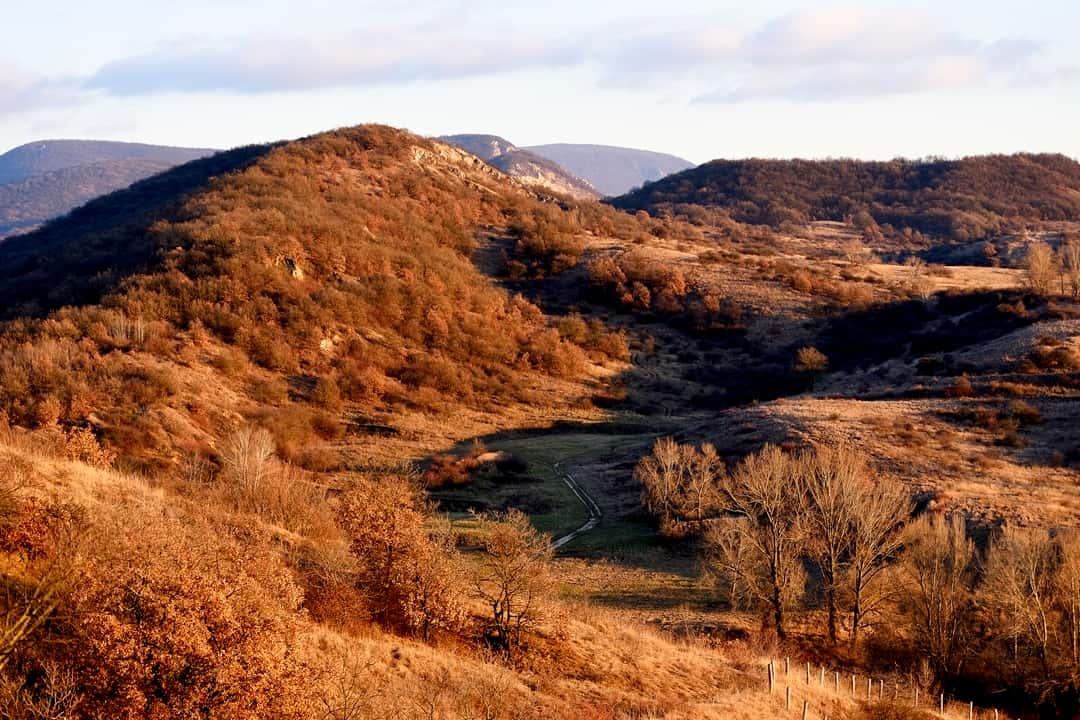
(408, 574)
(169, 624)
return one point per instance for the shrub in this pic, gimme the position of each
(1023, 412)
(961, 388)
(169, 624)
(327, 394)
(408, 573)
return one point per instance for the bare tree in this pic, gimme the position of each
(704, 478)
(1067, 589)
(512, 575)
(1041, 266)
(758, 553)
(831, 477)
(919, 278)
(248, 459)
(855, 525)
(1019, 585)
(1069, 261)
(881, 509)
(662, 477)
(938, 575)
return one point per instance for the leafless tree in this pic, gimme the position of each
(662, 477)
(938, 573)
(919, 278)
(1019, 585)
(882, 507)
(1067, 588)
(511, 576)
(758, 553)
(832, 477)
(1041, 266)
(248, 458)
(1069, 261)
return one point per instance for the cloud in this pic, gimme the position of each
(361, 58)
(21, 92)
(829, 53)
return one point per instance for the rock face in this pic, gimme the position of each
(612, 170)
(527, 167)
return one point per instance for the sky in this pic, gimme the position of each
(696, 78)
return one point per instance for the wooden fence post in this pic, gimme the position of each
(971, 709)
(836, 682)
(805, 710)
(807, 673)
(787, 666)
(852, 684)
(881, 690)
(941, 705)
(869, 687)
(822, 676)
(916, 697)
(787, 697)
(770, 677)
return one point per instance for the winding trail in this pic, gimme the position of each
(590, 505)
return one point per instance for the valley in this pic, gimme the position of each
(387, 377)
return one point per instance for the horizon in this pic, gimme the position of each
(746, 158)
(869, 81)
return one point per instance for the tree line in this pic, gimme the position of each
(817, 532)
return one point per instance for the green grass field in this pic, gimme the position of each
(600, 462)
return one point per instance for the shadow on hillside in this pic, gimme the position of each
(78, 258)
(914, 328)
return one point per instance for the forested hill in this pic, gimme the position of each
(963, 199)
(43, 180)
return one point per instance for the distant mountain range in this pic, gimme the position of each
(578, 170)
(46, 179)
(528, 167)
(612, 170)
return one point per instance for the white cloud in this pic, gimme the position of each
(830, 53)
(361, 58)
(21, 92)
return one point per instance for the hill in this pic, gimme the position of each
(530, 168)
(212, 383)
(46, 179)
(612, 170)
(969, 199)
(330, 271)
(234, 394)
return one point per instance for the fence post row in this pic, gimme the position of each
(771, 672)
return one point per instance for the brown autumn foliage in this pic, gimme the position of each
(968, 199)
(637, 282)
(343, 258)
(407, 572)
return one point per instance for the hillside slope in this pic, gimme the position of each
(612, 170)
(273, 282)
(43, 180)
(530, 168)
(966, 199)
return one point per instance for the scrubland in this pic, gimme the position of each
(286, 433)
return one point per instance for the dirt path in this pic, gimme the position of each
(590, 505)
